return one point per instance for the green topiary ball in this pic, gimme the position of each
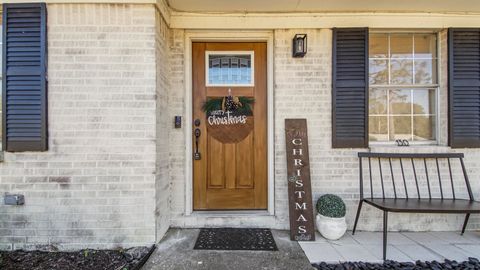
(330, 205)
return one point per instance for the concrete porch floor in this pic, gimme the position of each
(402, 247)
(175, 251)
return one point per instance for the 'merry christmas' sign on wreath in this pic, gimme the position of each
(229, 119)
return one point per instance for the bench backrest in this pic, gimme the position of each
(410, 170)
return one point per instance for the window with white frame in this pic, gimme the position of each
(403, 87)
(233, 68)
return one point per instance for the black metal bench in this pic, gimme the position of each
(448, 200)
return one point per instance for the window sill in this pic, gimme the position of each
(408, 149)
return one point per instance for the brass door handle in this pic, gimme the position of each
(197, 155)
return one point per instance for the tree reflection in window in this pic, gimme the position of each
(402, 77)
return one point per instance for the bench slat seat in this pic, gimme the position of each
(413, 205)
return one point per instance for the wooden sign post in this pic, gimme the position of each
(302, 226)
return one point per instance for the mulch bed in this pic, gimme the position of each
(128, 259)
(472, 263)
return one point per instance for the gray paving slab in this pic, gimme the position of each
(417, 252)
(456, 237)
(473, 236)
(393, 253)
(424, 237)
(355, 253)
(176, 251)
(405, 246)
(449, 251)
(347, 239)
(321, 252)
(375, 238)
(473, 249)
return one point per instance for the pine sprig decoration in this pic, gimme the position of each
(229, 103)
(213, 104)
(246, 104)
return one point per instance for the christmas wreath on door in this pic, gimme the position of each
(230, 118)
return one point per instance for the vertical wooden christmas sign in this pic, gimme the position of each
(302, 226)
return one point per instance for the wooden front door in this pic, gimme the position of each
(229, 175)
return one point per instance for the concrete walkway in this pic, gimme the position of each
(175, 251)
(403, 247)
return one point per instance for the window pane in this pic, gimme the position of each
(400, 127)
(425, 46)
(378, 45)
(378, 101)
(424, 101)
(378, 72)
(423, 128)
(230, 69)
(401, 72)
(401, 45)
(425, 71)
(408, 60)
(377, 127)
(400, 101)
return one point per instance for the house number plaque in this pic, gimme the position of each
(302, 226)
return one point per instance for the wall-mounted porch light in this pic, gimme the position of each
(299, 47)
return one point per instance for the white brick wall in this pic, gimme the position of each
(177, 136)
(95, 187)
(115, 171)
(302, 88)
(336, 170)
(164, 123)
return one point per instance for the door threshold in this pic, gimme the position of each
(231, 213)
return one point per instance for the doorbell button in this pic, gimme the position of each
(178, 121)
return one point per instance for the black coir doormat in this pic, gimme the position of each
(235, 239)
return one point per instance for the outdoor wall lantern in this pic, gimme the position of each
(299, 45)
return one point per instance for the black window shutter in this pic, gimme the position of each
(350, 88)
(464, 87)
(24, 77)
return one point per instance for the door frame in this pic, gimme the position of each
(227, 36)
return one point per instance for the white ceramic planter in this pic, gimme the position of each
(331, 228)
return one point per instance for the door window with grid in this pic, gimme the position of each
(403, 87)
